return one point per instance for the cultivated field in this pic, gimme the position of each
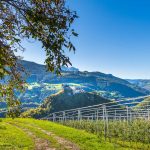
(134, 134)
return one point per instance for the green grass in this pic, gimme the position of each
(12, 138)
(86, 141)
(33, 128)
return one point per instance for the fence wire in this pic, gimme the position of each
(127, 109)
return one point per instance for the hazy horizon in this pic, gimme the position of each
(94, 71)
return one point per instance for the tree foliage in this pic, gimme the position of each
(48, 21)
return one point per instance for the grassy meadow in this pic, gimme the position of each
(23, 134)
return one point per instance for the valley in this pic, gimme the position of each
(41, 84)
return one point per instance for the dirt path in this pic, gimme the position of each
(43, 144)
(67, 144)
(40, 144)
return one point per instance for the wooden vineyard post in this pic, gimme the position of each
(127, 113)
(130, 115)
(115, 115)
(64, 116)
(97, 113)
(79, 114)
(54, 117)
(148, 115)
(97, 118)
(103, 112)
(105, 122)
(120, 118)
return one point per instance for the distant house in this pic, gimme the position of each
(72, 90)
(67, 88)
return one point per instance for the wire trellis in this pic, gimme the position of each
(115, 110)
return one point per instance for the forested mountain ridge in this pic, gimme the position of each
(91, 80)
(65, 100)
(42, 84)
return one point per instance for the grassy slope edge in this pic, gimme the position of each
(86, 141)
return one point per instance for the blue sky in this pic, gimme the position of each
(114, 37)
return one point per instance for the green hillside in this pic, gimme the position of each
(29, 134)
(66, 99)
(90, 80)
(41, 84)
(144, 103)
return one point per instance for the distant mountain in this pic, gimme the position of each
(34, 68)
(64, 100)
(70, 69)
(141, 83)
(42, 84)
